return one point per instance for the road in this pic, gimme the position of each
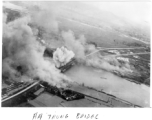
(101, 48)
(120, 48)
(130, 54)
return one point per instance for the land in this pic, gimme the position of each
(123, 42)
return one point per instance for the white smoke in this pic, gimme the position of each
(62, 56)
(110, 64)
(21, 49)
(81, 49)
(76, 45)
(23, 55)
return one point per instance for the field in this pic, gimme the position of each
(101, 37)
(119, 70)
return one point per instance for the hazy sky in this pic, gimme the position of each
(135, 11)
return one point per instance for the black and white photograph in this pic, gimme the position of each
(76, 54)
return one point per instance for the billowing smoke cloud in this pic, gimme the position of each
(23, 54)
(76, 45)
(81, 48)
(110, 64)
(43, 17)
(90, 48)
(49, 23)
(62, 56)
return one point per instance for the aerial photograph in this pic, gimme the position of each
(75, 54)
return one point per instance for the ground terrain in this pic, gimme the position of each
(108, 88)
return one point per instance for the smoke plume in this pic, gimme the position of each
(62, 56)
(76, 45)
(80, 47)
(110, 64)
(23, 54)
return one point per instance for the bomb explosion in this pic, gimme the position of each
(29, 55)
(62, 56)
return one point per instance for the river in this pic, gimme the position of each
(110, 83)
